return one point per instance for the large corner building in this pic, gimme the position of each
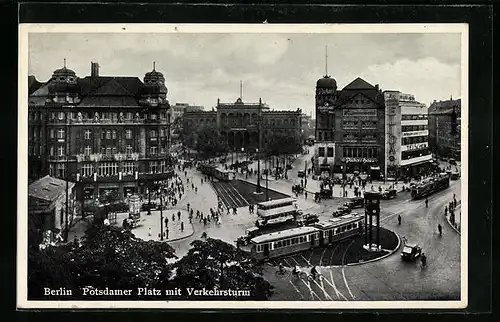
(101, 132)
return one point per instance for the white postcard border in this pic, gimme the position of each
(22, 199)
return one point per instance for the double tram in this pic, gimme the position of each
(430, 186)
(290, 241)
(213, 171)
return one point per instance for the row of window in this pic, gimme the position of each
(108, 135)
(289, 242)
(108, 151)
(339, 230)
(363, 138)
(362, 152)
(413, 140)
(112, 168)
(103, 115)
(405, 155)
(356, 124)
(409, 128)
(329, 152)
(414, 117)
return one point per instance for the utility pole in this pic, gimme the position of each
(259, 120)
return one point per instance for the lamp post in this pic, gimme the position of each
(258, 171)
(343, 168)
(161, 214)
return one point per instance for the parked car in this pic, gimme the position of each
(355, 203)
(326, 193)
(307, 219)
(389, 194)
(455, 175)
(452, 161)
(342, 210)
(301, 174)
(411, 252)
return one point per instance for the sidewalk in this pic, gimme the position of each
(458, 218)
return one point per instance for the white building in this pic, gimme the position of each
(406, 135)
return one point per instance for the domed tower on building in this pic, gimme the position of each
(63, 86)
(326, 97)
(154, 92)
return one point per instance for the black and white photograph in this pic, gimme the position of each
(243, 166)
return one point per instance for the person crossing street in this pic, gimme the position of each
(440, 229)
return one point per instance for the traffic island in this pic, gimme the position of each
(349, 251)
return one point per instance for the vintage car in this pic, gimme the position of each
(455, 175)
(342, 210)
(452, 161)
(307, 219)
(389, 194)
(411, 252)
(355, 203)
(146, 206)
(301, 174)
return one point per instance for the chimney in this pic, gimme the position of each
(94, 69)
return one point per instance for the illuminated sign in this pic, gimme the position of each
(359, 160)
(360, 112)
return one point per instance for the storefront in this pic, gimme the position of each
(362, 165)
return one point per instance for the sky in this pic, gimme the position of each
(282, 69)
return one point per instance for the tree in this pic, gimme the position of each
(212, 263)
(280, 144)
(209, 142)
(108, 257)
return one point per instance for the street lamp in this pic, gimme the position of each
(258, 171)
(161, 214)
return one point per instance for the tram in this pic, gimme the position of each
(213, 171)
(430, 186)
(286, 242)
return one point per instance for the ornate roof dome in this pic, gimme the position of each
(326, 82)
(154, 83)
(64, 80)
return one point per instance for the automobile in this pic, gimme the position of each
(355, 203)
(297, 188)
(308, 219)
(411, 251)
(455, 175)
(452, 161)
(342, 210)
(389, 194)
(301, 174)
(289, 166)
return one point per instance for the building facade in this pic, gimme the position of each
(104, 133)
(238, 122)
(441, 139)
(349, 127)
(406, 135)
(178, 109)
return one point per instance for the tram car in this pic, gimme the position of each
(213, 171)
(286, 242)
(430, 186)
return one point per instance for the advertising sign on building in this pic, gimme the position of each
(359, 160)
(411, 147)
(415, 133)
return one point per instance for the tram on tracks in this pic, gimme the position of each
(212, 170)
(430, 186)
(290, 241)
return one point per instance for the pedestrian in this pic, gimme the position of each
(166, 221)
(179, 215)
(399, 219)
(149, 232)
(196, 189)
(305, 194)
(440, 229)
(166, 233)
(182, 226)
(234, 210)
(250, 208)
(426, 203)
(445, 211)
(188, 206)
(204, 221)
(173, 217)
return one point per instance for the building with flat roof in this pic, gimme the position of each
(406, 135)
(441, 139)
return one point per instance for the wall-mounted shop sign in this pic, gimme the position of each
(359, 160)
(415, 133)
(417, 146)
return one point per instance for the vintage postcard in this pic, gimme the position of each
(243, 166)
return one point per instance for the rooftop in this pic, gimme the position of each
(48, 188)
